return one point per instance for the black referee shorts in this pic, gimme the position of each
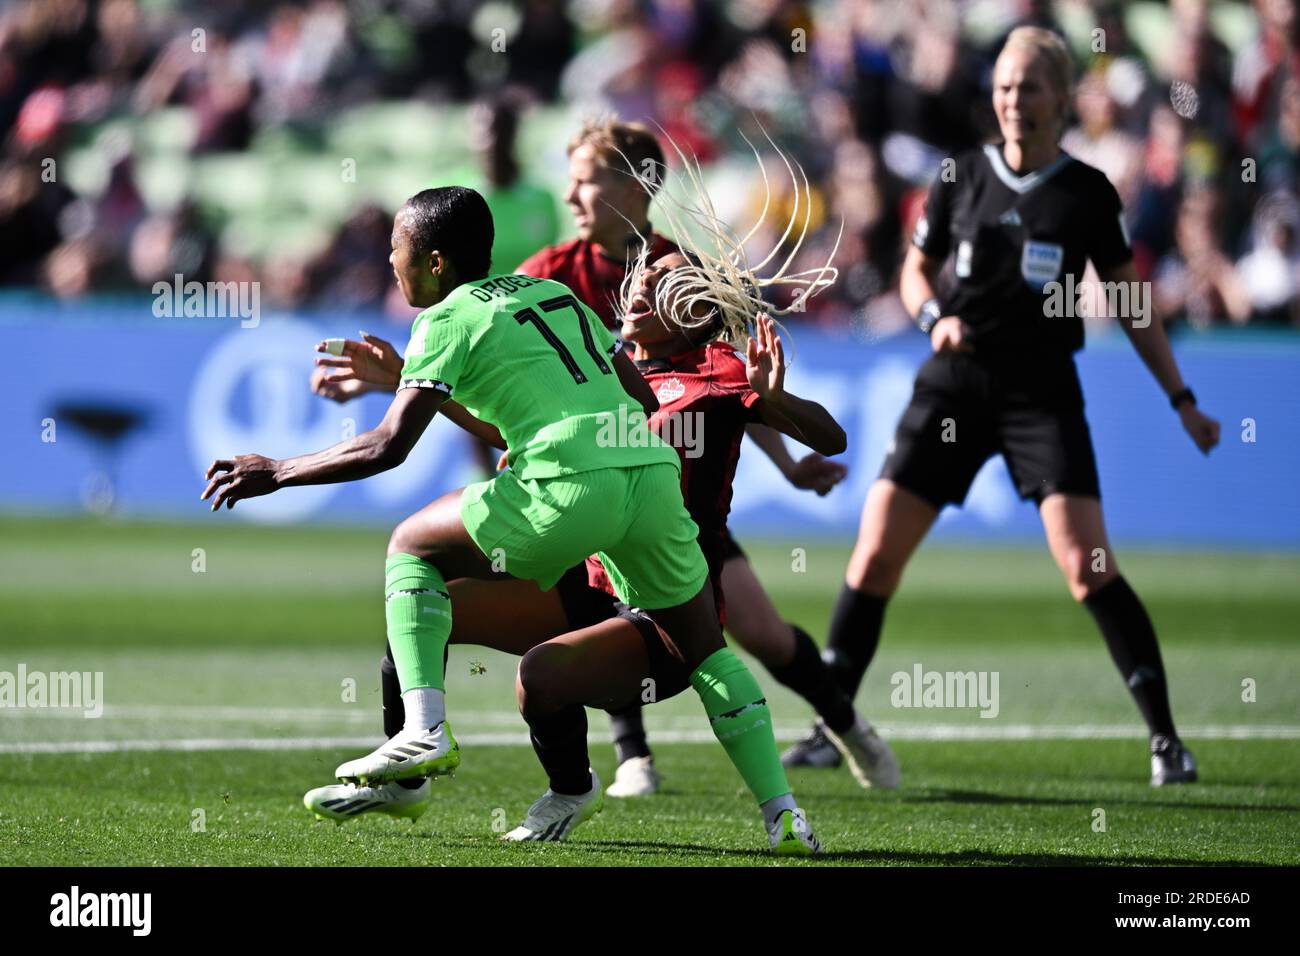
(965, 410)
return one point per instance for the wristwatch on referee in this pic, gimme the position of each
(929, 314)
(1182, 395)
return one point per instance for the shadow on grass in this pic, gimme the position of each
(977, 796)
(895, 857)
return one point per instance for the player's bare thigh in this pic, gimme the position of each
(894, 522)
(437, 534)
(601, 666)
(691, 630)
(507, 615)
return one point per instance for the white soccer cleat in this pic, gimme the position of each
(344, 801)
(791, 835)
(871, 760)
(420, 753)
(635, 777)
(555, 815)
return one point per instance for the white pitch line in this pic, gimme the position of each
(933, 732)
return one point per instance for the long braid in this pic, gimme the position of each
(719, 289)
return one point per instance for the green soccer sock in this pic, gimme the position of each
(741, 722)
(418, 611)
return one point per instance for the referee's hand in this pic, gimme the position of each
(1203, 429)
(951, 334)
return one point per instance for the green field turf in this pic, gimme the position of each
(204, 672)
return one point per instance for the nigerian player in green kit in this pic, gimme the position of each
(522, 361)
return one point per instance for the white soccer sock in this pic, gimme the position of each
(426, 707)
(773, 808)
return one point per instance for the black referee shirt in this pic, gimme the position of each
(1011, 236)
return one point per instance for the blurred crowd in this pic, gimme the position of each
(1198, 127)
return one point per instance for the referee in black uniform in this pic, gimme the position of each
(1014, 218)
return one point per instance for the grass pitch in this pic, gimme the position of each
(229, 691)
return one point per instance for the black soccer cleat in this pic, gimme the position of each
(1171, 762)
(815, 750)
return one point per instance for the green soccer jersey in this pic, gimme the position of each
(525, 355)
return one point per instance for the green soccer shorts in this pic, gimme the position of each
(633, 517)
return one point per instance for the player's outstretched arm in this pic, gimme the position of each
(812, 472)
(1147, 333)
(797, 417)
(380, 449)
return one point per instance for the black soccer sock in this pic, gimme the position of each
(810, 677)
(854, 636)
(390, 689)
(1124, 624)
(560, 741)
(391, 693)
(628, 729)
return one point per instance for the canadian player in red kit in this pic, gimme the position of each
(589, 271)
(703, 392)
(613, 174)
(615, 170)
(707, 395)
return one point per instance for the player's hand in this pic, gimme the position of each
(765, 360)
(951, 334)
(504, 461)
(373, 361)
(246, 476)
(326, 387)
(817, 473)
(1203, 429)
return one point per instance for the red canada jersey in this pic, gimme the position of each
(594, 277)
(705, 402)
